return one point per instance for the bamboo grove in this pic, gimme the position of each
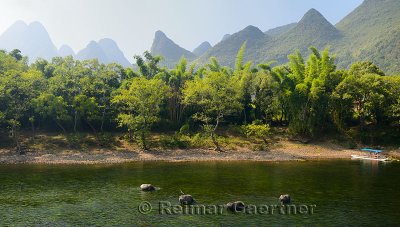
(310, 96)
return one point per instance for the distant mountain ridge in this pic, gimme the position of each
(34, 41)
(226, 50)
(106, 51)
(370, 33)
(312, 30)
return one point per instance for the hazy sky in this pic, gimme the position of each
(132, 23)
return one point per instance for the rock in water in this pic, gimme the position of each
(284, 199)
(186, 199)
(147, 187)
(235, 206)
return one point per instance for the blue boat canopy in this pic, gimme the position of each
(372, 150)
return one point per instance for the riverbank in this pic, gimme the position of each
(282, 151)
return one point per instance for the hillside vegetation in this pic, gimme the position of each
(369, 33)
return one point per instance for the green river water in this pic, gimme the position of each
(346, 193)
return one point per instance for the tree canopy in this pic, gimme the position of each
(309, 95)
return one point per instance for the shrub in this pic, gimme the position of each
(184, 130)
(171, 142)
(199, 141)
(75, 140)
(257, 130)
(105, 139)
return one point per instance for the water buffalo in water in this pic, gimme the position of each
(284, 199)
(147, 187)
(235, 206)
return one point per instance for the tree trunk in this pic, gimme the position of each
(214, 139)
(245, 115)
(143, 138)
(102, 119)
(15, 136)
(361, 113)
(213, 136)
(33, 131)
(91, 126)
(130, 136)
(62, 128)
(75, 120)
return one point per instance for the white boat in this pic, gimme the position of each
(364, 157)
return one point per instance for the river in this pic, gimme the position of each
(340, 193)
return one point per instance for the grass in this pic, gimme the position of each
(229, 138)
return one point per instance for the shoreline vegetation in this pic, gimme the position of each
(54, 149)
(71, 111)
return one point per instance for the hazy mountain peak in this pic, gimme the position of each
(37, 25)
(36, 30)
(93, 51)
(92, 43)
(11, 38)
(20, 24)
(164, 46)
(313, 12)
(113, 52)
(159, 34)
(251, 28)
(202, 48)
(226, 50)
(313, 16)
(251, 31)
(107, 41)
(105, 51)
(33, 40)
(66, 50)
(314, 28)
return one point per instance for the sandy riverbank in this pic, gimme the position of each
(285, 151)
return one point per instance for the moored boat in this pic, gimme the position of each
(366, 157)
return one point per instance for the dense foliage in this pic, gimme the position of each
(310, 96)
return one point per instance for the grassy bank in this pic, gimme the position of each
(89, 148)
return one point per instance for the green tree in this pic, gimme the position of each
(245, 76)
(265, 89)
(16, 54)
(66, 83)
(53, 107)
(94, 101)
(364, 93)
(309, 97)
(148, 64)
(139, 101)
(217, 95)
(365, 67)
(176, 79)
(18, 90)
